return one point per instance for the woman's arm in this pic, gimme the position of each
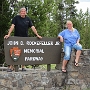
(61, 38)
(78, 41)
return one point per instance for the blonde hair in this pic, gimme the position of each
(68, 21)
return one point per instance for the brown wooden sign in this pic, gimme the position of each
(31, 50)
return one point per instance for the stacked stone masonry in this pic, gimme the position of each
(76, 78)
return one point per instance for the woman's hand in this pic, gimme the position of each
(61, 38)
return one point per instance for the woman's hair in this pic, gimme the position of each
(68, 21)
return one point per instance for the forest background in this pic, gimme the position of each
(48, 16)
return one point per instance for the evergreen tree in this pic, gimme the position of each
(5, 17)
(42, 14)
(66, 11)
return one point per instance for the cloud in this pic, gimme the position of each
(84, 0)
(83, 5)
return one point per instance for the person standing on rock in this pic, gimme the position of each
(20, 24)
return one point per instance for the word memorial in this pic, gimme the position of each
(31, 50)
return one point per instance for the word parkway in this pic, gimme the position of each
(33, 58)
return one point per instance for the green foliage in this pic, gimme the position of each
(48, 16)
(66, 11)
(42, 14)
(5, 17)
(81, 21)
(83, 25)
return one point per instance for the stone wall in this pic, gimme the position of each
(76, 78)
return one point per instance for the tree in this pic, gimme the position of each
(81, 21)
(66, 11)
(5, 17)
(83, 24)
(42, 14)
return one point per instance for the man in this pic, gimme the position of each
(20, 25)
(71, 38)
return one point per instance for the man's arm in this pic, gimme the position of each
(10, 30)
(35, 31)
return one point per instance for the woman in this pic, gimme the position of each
(71, 38)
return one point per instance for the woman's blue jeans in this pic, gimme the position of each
(68, 49)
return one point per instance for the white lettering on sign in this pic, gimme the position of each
(21, 43)
(39, 43)
(57, 43)
(33, 51)
(12, 43)
(33, 58)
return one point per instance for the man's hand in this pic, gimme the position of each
(10, 30)
(39, 36)
(6, 36)
(35, 31)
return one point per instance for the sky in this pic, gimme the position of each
(83, 4)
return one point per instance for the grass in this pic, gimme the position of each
(42, 66)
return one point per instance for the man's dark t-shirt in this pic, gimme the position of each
(21, 25)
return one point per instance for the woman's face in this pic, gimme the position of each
(69, 25)
(23, 13)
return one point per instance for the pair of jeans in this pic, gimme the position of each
(68, 49)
